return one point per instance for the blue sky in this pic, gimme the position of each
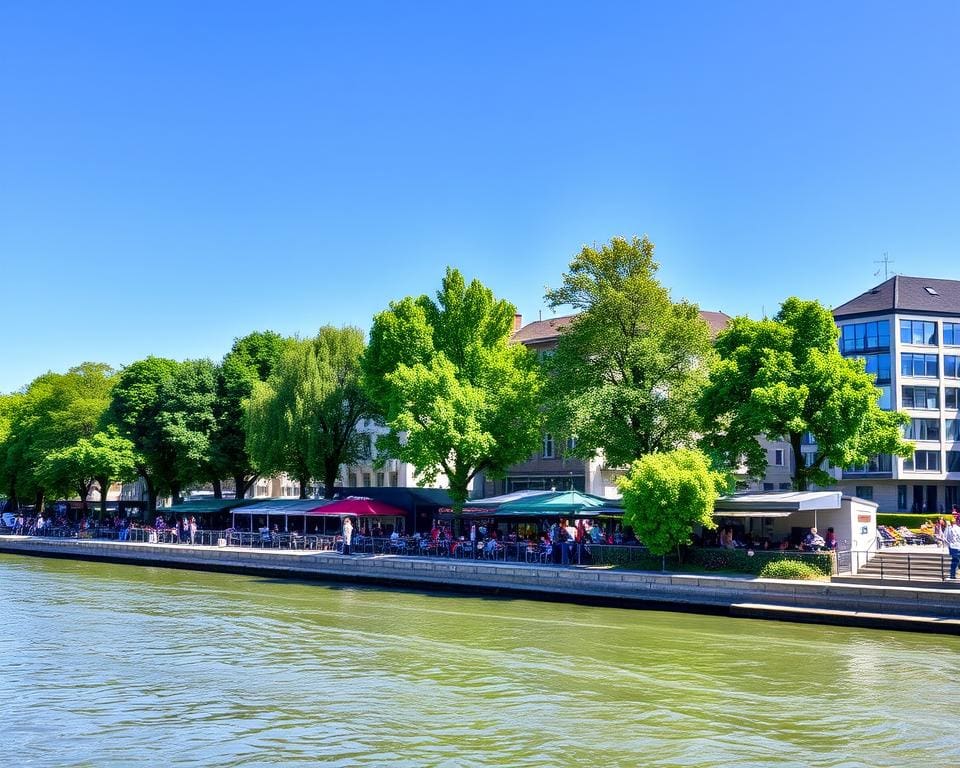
(174, 175)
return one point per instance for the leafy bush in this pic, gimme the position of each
(789, 569)
(740, 560)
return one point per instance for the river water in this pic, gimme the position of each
(110, 665)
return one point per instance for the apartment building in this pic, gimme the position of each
(907, 329)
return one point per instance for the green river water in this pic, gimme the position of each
(110, 665)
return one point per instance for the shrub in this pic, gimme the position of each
(740, 560)
(910, 521)
(789, 569)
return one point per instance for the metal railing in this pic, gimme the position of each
(897, 564)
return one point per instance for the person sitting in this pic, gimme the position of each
(830, 539)
(813, 541)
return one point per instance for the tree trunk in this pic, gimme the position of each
(176, 493)
(104, 485)
(38, 501)
(331, 468)
(83, 490)
(304, 486)
(217, 488)
(800, 471)
(242, 485)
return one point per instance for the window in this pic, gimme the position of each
(918, 332)
(884, 400)
(808, 439)
(950, 397)
(879, 366)
(901, 497)
(785, 486)
(918, 365)
(352, 480)
(865, 492)
(951, 429)
(768, 486)
(951, 334)
(950, 366)
(380, 480)
(953, 461)
(857, 337)
(921, 397)
(366, 480)
(923, 461)
(809, 458)
(394, 480)
(548, 446)
(875, 464)
(922, 429)
(778, 457)
(571, 444)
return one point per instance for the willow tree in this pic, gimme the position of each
(457, 397)
(303, 419)
(628, 371)
(784, 378)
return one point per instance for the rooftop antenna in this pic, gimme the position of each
(886, 261)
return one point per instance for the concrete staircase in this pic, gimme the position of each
(904, 564)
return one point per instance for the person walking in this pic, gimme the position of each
(951, 537)
(192, 527)
(347, 535)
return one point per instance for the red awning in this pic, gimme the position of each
(357, 507)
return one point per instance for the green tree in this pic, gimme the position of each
(303, 419)
(165, 409)
(456, 395)
(628, 371)
(785, 377)
(53, 413)
(666, 495)
(251, 359)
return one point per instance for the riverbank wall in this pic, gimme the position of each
(883, 607)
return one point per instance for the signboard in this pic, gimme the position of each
(864, 518)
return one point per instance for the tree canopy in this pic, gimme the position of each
(303, 419)
(785, 377)
(666, 495)
(251, 359)
(629, 369)
(457, 396)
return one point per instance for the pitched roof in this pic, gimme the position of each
(548, 330)
(906, 294)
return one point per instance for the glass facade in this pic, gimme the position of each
(918, 332)
(918, 365)
(857, 337)
(951, 334)
(923, 461)
(922, 429)
(920, 397)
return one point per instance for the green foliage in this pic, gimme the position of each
(628, 372)
(784, 377)
(165, 409)
(740, 561)
(251, 359)
(666, 495)
(789, 569)
(457, 397)
(303, 419)
(53, 413)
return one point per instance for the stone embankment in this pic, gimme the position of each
(909, 608)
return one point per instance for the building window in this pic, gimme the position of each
(865, 492)
(394, 480)
(950, 366)
(768, 486)
(352, 480)
(808, 439)
(878, 366)
(950, 397)
(923, 461)
(918, 332)
(778, 457)
(921, 397)
(901, 497)
(951, 334)
(366, 480)
(857, 337)
(785, 486)
(922, 429)
(379, 479)
(548, 446)
(953, 461)
(918, 365)
(951, 430)
(571, 444)
(875, 464)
